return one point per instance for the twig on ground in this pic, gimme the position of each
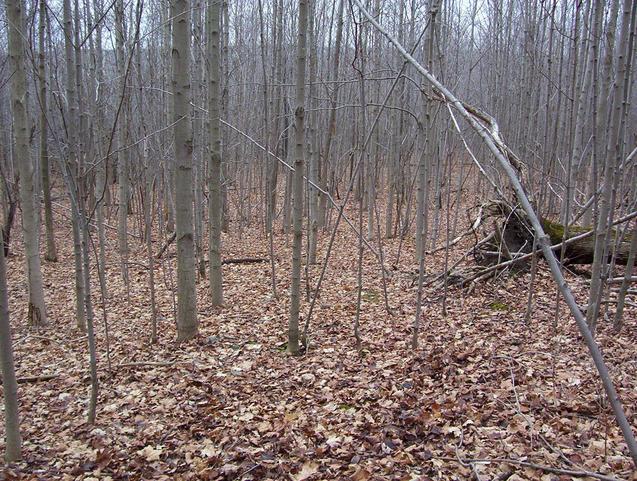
(527, 464)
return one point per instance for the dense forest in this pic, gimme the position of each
(314, 239)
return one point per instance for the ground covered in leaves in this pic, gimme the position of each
(482, 387)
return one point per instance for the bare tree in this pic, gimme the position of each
(51, 249)
(22, 156)
(214, 175)
(73, 160)
(13, 440)
(123, 135)
(187, 322)
(299, 168)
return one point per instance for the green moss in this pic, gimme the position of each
(499, 306)
(347, 407)
(555, 230)
(370, 296)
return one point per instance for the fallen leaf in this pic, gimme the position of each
(151, 453)
(308, 469)
(361, 475)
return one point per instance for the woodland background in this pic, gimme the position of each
(301, 239)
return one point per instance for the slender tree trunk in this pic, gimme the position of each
(214, 180)
(80, 317)
(22, 156)
(610, 170)
(225, 98)
(313, 165)
(51, 250)
(364, 161)
(72, 162)
(148, 220)
(199, 136)
(123, 154)
(331, 124)
(617, 140)
(299, 168)
(187, 324)
(277, 94)
(270, 162)
(88, 305)
(428, 152)
(13, 440)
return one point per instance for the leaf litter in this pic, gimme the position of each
(232, 405)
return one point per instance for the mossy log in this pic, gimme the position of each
(583, 250)
(518, 238)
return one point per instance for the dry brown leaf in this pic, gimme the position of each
(151, 453)
(308, 469)
(361, 475)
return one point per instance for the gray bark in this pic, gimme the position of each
(73, 163)
(331, 126)
(51, 249)
(30, 212)
(187, 323)
(297, 183)
(123, 152)
(13, 440)
(214, 179)
(612, 158)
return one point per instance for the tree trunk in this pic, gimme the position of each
(426, 156)
(214, 182)
(187, 324)
(270, 162)
(13, 440)
(331, 124)
(51, 250)
(299, 166)
(22, 156)
(123, 152)
(515, 236)
(71, 116)
(612, 159)
(313, 154)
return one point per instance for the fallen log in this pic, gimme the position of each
(556, 247)
(583, 250)
(22, 380)
(579, 247)
(619, 280)
(244, 260)
(29, 379)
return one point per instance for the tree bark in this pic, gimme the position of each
(123, 153)
(22, 156)
(611, 164)
(13, 441)
(72, 162)
(299, 167)
(187, 324)
(331, 124)
(51, 249)
(214, 180)
(517, 237)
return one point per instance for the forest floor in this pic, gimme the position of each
(231, 404)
